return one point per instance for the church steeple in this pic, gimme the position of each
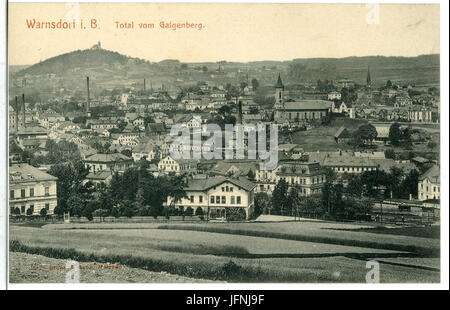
(279, 92)
(368, 79)
(279, 82)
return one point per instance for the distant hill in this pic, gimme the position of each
(111, 69)
(13, 68)
(79, 60)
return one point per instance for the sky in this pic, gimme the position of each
(232, 32)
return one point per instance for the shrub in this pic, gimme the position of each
(188, 211)
(199, 212)
(43, 212)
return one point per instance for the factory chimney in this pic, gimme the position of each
(144, 84)
(23, 111)
(239, 120)
(16, 116)
(88, 103)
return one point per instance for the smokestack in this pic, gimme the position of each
(23, 110)
(16, 116)
(144, 84)
(239, 120)
(88, 103)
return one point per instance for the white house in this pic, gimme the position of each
(218, 197)
(429, 184)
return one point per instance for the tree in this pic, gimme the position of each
(255, 84)
(365, 134)
(279, 198)
(251, 175)
(409, 184)
(293, 201)
(243, 85)
(43, 212)
(199, 212)
(189, 211)
(395, 134)
(70, 186)
(390, 153)
(262, 204)
(127, 152)
(29, 211)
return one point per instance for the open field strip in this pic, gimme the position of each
(207, 255)
(31, 268)
(321, 233)
(318, 232)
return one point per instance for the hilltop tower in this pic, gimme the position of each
(279, 92)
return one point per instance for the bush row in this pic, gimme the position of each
(229, 271)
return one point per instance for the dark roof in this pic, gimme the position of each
(99, 175)
(114, 157)
(156, 127)
(308, 105)
(433, 174)
(297, 169)
(23, 173)
(205, 184)
(342, 133)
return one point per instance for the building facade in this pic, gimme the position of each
(31, 190)
(218, 197)
(429, 186)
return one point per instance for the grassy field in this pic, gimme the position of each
(246, 252)
(322, 137)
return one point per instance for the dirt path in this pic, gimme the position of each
(30, 268)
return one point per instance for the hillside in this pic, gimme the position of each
(80, 60)
(108, 69)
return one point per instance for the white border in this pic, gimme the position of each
(444, 82)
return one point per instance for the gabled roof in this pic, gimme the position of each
(114, 157)
(433, 174)
(25, 173)
(382, 131)
(99, 175)
(223, 167)
(342, 132)
(205, 184)
(308, 105)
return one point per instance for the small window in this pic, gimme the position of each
(224, 200)
(11, 194)
(47, 206)
(212, 199)
(31, 192)
(47, 191)
(200, 199)
(22, 193)
(238, 200)
(217, 199)
(192, 199)
(231, 189)
(22, 209)
(223, 189)
(233, 199)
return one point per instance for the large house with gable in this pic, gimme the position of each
(229, 198)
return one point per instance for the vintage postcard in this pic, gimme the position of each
(225, 143)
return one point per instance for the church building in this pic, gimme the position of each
(298, 112)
